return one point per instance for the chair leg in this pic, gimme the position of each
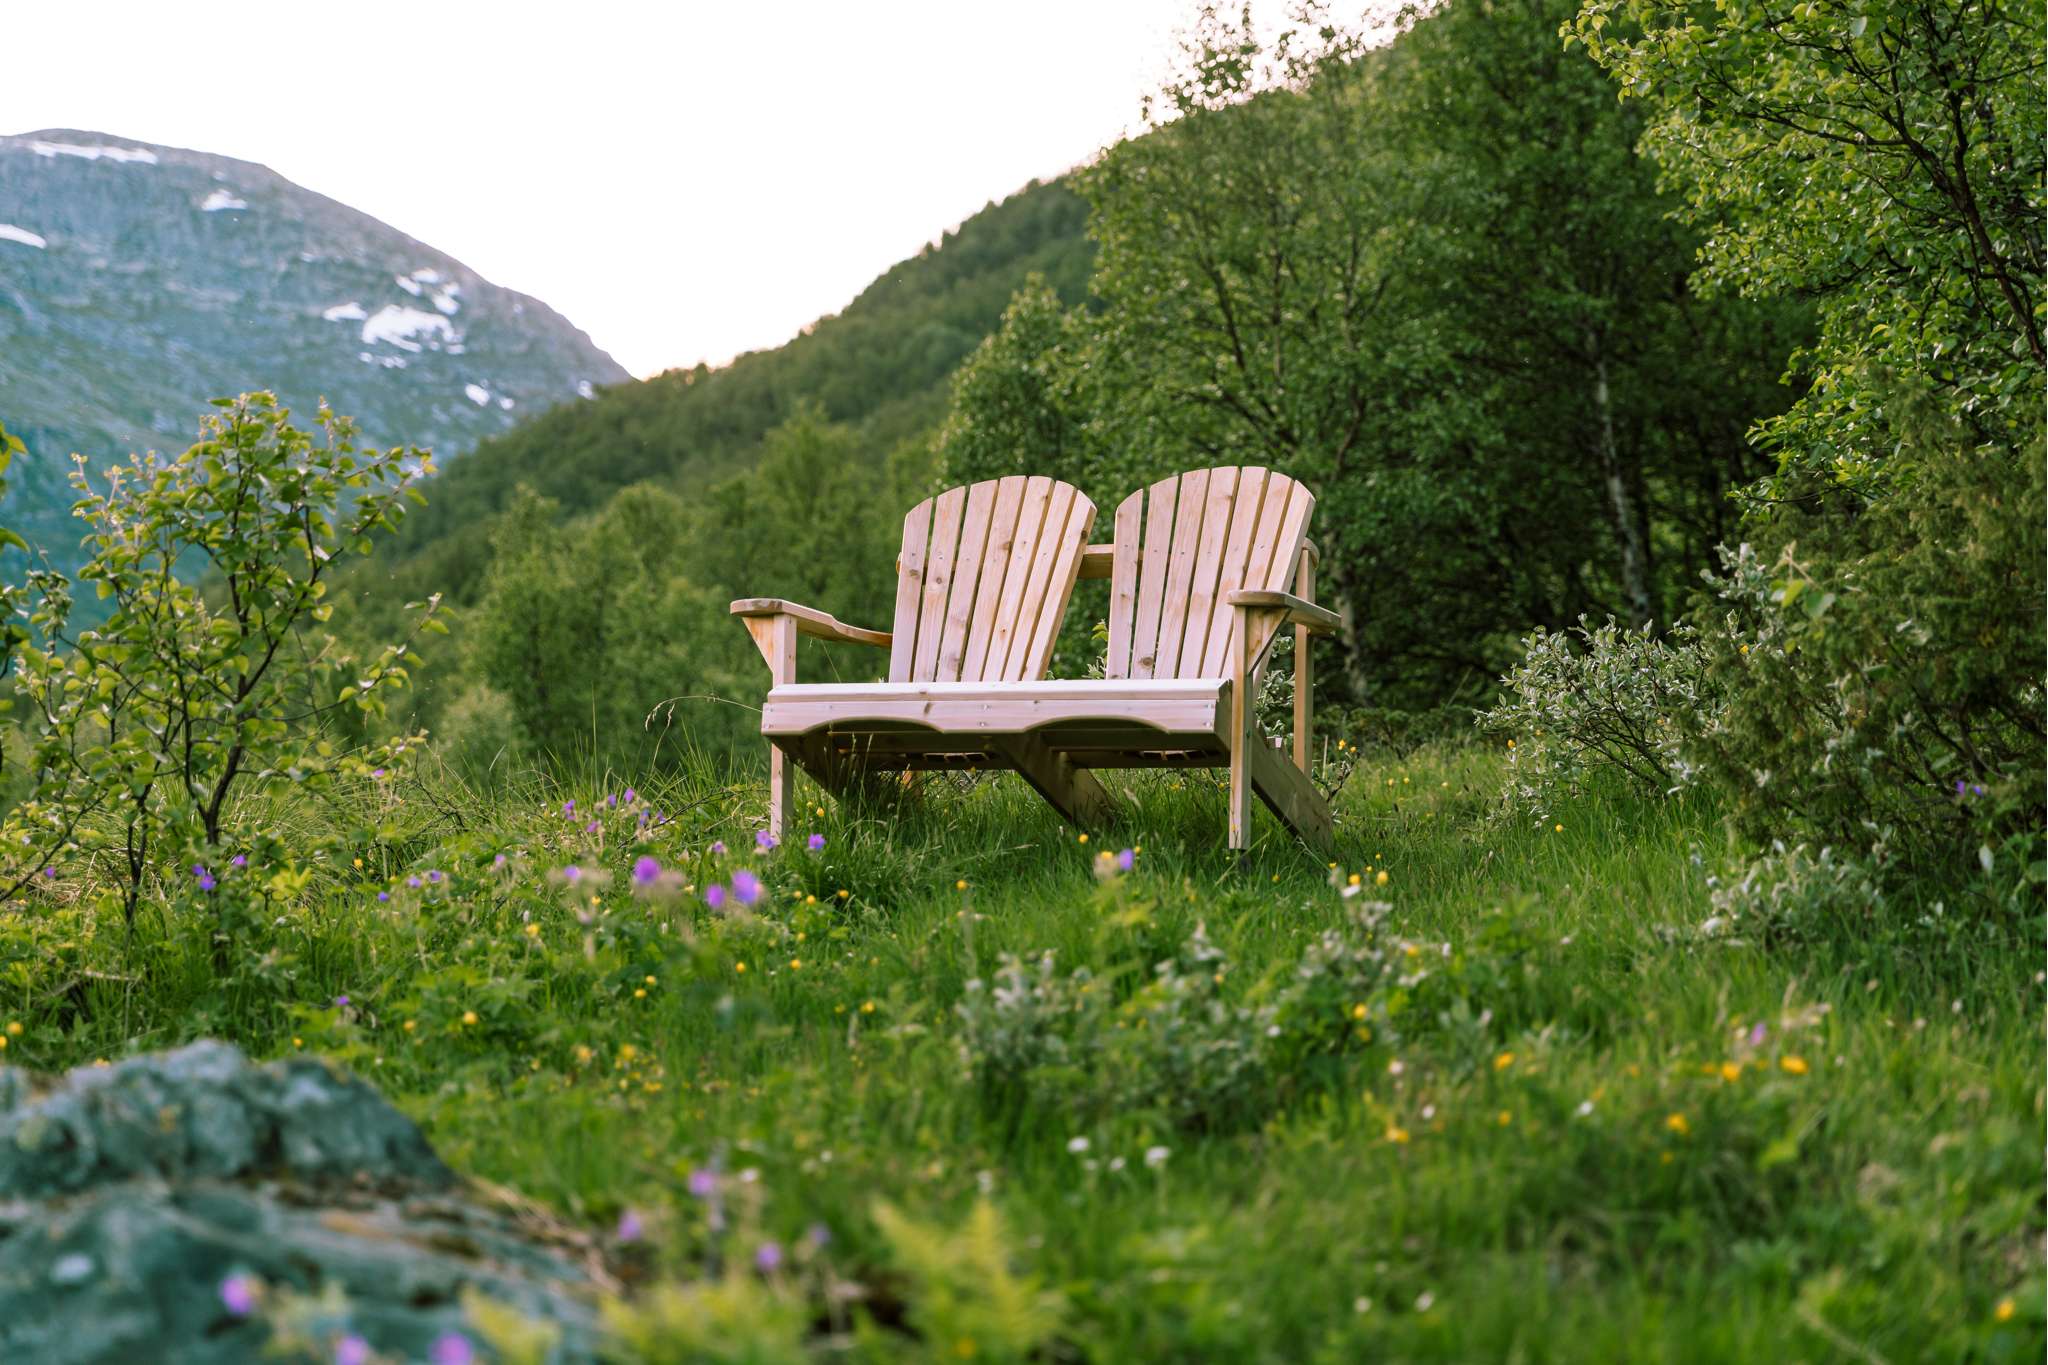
(1243, 740)
(1074, 792)
(781, 789)
(1289, 794)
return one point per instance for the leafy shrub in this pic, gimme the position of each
(148, 727)
(1882, 664)
(1796, 892)
(967, 1300)
(1618, 701)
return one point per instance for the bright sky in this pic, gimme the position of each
(685, 181)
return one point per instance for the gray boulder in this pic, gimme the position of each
(131, 1194)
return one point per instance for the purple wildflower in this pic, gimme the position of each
(764, 841)
(413, 882)
(433, 876)
(351, 1350)
(1757, 1034)
(206, 881)
(746, 886)
(568, 808)
(498, 861)
(646, 870)
(612, 801)
(714, 896)
(452, 1348)
(239, 860)
(815, 842)
(341, 1001)
(383, 895)
(718, 846)
(703, 1182)
(49, 872)
(631, 796)
(818, 1236)
(378, 773)
(571, 873)
(590, 828)
(1125, 859)
(630, 1227)
(768, 1258)
(238, 1294)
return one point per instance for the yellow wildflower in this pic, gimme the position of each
(2005, 1310)
(1677, 1124)
(469, 1016)
(1794, 1065)
(1731, 1072)
(739, 967)
(1380, 880)
(1396, 1133)
(1504, 1061)
(1505, 1118)
(533, 931)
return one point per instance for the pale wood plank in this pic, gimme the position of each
(1017, 576)
(1080, 521)
(1059, 504)
(1073, 792)
(909, 590)
(1123, 585)
(1293, 530)
(938, 580)
(1243, 741)
(775, 637)
(1180, 571)
(821, 625)
(1202, 581)
(1099, 561)
(1289, 794)
(1157, 547)
(1244, 519)
(1304, 667)
(995, 564)
(981, 501)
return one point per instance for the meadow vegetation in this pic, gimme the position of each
(1677, 993)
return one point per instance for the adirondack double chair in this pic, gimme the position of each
(1206, 569)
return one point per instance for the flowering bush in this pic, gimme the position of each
(1615, 700)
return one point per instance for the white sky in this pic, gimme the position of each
(685, 181)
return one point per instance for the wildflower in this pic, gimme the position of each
(206, 881)
(703, 1183)
(1380, 880)
(341, 1002)
(1504, 1118)
(1126, 860)
(1155, 1157)
(718, 846)
(568, 809)
(383, 895)
(1757, 1034)
(1425, 1301)
(740, 967)
(238, 1294)
(1358, 1011)
(469, 1018)
(1677, 1124)
(818, 1235)
(1356, 879)
(1083, 839)
(2005, 1309)
(498, 861)
(1396, 1133)
(1504, 1061)
(746, 887)
(768, 1258)
(960, 885)
(1795, 1066)
(378, 773)
(1558, 828)
(351, 1350)
(572, 874)
(630, 1228)
(239, 860)
(867, 1007)
(1077, 1145)
(796, 964)
(410, 1025)
(413, 882)
(764, 841)
(646, 870)
(714, 895)
(533, 931)
(452, 1348)
(591, 828)
(1731, 1072)
(1585, 1108)
(815, 842)
(1395, 1067)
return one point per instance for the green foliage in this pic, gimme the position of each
(1883, 669)
(969, 1302)
(1617, 701)
(148, 728)
(1434, 281)
(1883, 159)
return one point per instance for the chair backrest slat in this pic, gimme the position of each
(1183, 546)
(984, 577)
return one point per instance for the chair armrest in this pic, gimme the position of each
(1098, 561)
(810, 621)
(1298, 612)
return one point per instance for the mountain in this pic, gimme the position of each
(137, 281)
(880, 365)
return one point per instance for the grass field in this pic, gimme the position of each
(1497, 1100)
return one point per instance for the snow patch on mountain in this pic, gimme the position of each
(444, 299)
(222, 199)
(584, 389)
(10, 233)
(345, 312)
(478, 394)
(140, 155)
(399, 326)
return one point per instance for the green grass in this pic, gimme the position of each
(1561, 1143)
